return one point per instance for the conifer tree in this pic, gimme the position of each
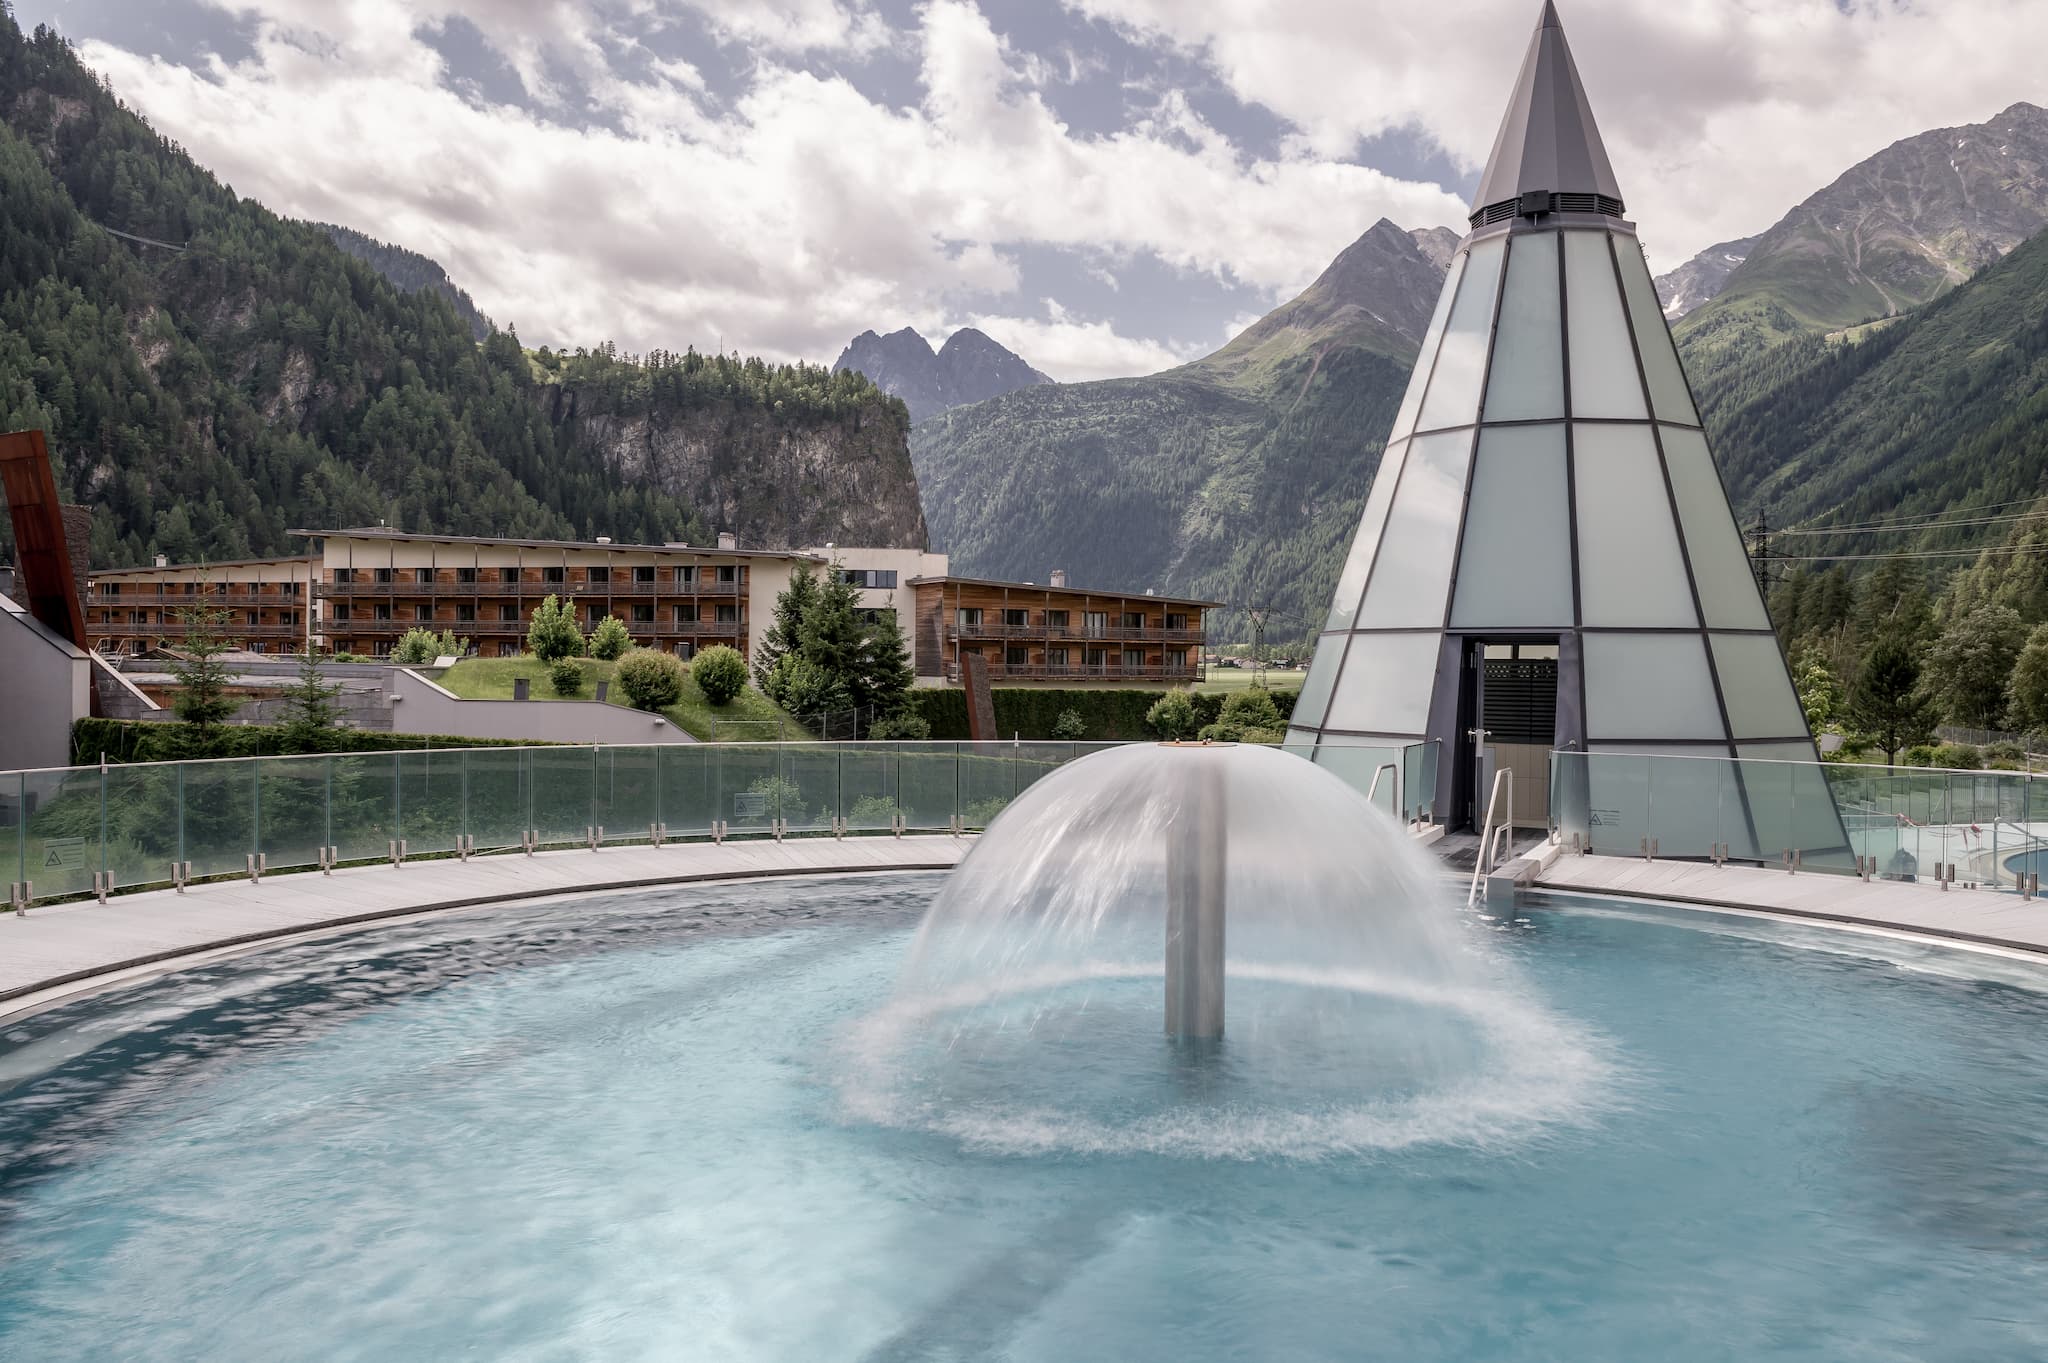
(202, 678)
(311, 714)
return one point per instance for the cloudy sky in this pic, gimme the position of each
(1106, 186)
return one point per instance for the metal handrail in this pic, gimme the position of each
(1483, 864)
(1400, 810)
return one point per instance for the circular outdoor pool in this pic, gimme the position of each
(645, 1127)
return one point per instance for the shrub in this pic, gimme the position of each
(553, 635)
(609, 641)
(2005, 757)
(651, 679)
(780, 798)
(901, 727)
(720, 672)
(1958, 756)
(1173, 716)
(1252, 708)
(566, 676)
(422, 645)
(1919, 755)
(1070, 727)
(982, 813)
(872, 811)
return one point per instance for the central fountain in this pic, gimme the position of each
(1364, 1007)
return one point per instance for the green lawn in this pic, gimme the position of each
(750, 718)
(1228, 679)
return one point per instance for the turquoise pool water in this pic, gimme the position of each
(632, 1128)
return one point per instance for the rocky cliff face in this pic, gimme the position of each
(1696, 282)
(1892, 233)
(776, 483)
(970, 367)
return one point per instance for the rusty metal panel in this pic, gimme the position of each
(45, 582)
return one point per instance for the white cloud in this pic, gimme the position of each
(1719, 114)
(785, 222)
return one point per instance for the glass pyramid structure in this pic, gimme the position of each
(1547, 480)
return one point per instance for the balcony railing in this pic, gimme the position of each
(1174, 672)
(1150, 634)
(499, 629)
(400, 587)
(173, 631)
(122, 600)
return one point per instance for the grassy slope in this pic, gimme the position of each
(492, 678)
(1228, 679)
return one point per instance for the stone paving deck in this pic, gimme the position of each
(1988, 917)
(67, 943)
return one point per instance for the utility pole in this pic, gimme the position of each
(1760, 554)
(1258, 619)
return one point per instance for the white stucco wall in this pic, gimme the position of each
(46, 683)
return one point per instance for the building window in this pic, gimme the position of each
(1096, 623)
(508, 577)
(252, 620)
(1176, 657)
(728, 572)
(686, 615)
(1016, 655)
(337, 613)
(508, 650)
(686, 577)
(594, 614)
(686, 650)
(728, 615)
(382, 576)
(1016, 619)
(644, 575)
(381, 648)
(1055, 657)
(874, 579)
(643, 615)
(1134, 619)
(465, 577)
(1176, 619)
(109, 588)
(380, 612)
(1095, 657)
(255, 645)
(290, 588)
(341, 575)
(1055, 619)
(600, 576)
(551, 576)
(967, 617)
(422, 612)
(465, 614)
(423, 576)
(1133, 658)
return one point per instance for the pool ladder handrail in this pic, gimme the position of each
(1489, 835)
(1371, 790)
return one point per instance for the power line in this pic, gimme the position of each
(1921, 520)
(1917, 526)
(1995, 551)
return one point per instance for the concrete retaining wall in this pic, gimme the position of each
(423, 707)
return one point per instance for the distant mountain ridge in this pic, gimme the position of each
(970, 367)
(1239, 476)
(1695, 283)
(1893, 232)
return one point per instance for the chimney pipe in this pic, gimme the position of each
(728, 540)
(1058, 578)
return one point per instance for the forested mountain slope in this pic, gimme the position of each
(206, 400)
(1239, 476)
(409, 270)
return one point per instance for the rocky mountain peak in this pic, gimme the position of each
(970, 367)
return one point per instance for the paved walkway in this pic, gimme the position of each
(1991, 917)
(66, 943)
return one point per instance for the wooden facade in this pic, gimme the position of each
(264, 605)
(1057, 636)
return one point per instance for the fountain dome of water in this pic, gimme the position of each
(1364, 1008)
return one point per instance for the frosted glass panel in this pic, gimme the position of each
(1756, 687)
(1461, 362)
(1630, 569)
(1780, 752)
(1527, 382)
(1653, 338)
(1720, 568)
(1351, 582)
(1404, 420)
(1603, 363)
(1516, 564)
(1315, 687)
(1386, 684)
(1649, 686)
(1413, 572)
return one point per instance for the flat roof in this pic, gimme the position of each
(1077, 591)
(216, 563)
(380, 533)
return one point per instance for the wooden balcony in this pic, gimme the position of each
(580, 591)
(1142, 634)
(1088, 672)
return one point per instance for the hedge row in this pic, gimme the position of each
(141, 740)
(1030, 712)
